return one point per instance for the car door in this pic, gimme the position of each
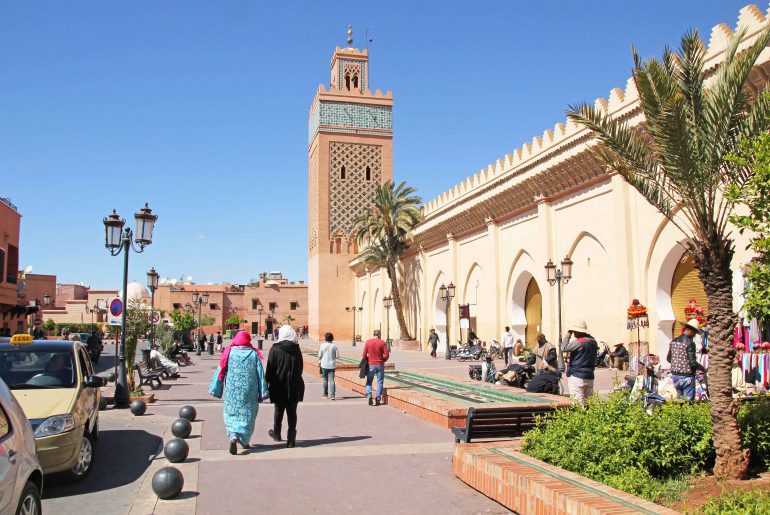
(87, 398)
(9, 461)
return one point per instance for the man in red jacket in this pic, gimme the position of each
(376, 351)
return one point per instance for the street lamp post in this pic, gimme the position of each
(447, 293)
(152, 283)
(353, 309)
(199, 300)
(387, 302)
(557, 277)
(259, 324)
(117, 240)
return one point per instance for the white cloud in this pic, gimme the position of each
(200, 237)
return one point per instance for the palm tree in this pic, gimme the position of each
(386, 229)
(676, 160)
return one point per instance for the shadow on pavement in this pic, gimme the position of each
(255, 449)
(121, 457)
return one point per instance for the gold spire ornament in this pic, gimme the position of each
(350, 36)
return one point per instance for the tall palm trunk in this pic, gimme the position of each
(713, 263)
(395, 293)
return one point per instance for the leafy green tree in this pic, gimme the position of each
(754, 196)
(137, 325)
(386, 229)
(49, 326)
(288, 319)
(206, 320)
(677, 160)
(234, 320)
(184, 321)
(164, 337)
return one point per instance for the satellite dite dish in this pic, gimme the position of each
(28, 269)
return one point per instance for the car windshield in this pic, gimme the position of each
(29, 369)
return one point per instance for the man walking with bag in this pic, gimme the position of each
(433, 341)
(376, 353)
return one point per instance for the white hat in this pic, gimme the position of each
(579, 327)
(693, 324)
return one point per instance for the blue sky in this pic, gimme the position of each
(200, 109)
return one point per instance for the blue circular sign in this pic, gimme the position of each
(116, 307)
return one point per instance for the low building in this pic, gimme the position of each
(13, 308)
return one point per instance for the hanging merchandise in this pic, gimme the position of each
(636, 318)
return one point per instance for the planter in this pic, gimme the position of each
(148, 398)
(407, 344)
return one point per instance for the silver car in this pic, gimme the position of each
(21, 478)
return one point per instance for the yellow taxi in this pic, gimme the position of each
(55, 384)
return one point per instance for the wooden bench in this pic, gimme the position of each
(147, 376)
(497, 423)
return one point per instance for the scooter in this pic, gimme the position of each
(94, 353)
(475, 351)
(495, 350)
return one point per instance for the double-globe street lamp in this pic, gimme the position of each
(199, 299)
(387, 303)
(354, 309)
(447, 293)
(152, 283)
(557, 276)
(117, 240)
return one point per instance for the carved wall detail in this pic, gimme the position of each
(351, 195)
(312, 210)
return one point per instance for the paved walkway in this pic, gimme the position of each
(350, 457)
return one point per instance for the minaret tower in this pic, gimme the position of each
(350, 142)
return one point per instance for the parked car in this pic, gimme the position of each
(58, 390)
(21, 477)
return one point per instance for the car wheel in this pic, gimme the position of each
(85, 459)
(29, 504)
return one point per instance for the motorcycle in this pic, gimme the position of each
(453, 351)
(475, 351)
(94, 353)
(495, 350)
(603, 358)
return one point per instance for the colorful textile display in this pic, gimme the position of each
(751, 360)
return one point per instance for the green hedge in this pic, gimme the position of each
(615, 442)
(77, 328)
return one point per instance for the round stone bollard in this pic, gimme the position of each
(167, 482)
(181, 428)
(176, 450)
(188, 412)
(138, 407)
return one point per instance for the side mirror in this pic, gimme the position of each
(95, 382)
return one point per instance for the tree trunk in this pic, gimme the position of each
(713, 264)
(395, 293)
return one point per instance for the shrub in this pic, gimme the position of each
(754, 419)
(615, 442)
(753, 502)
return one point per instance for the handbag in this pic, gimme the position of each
(217, 385)
(364, 368)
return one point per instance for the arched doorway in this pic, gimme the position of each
(686, 285)
(439, 321)
(533, 312)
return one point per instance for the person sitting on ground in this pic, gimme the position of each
(518, 348)
(169, 366)
(619, 356)
(546, 381)
(488, 370)
(545, 355)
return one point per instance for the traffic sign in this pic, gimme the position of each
(116, 307)
(155, 318)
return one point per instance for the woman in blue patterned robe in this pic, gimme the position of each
(244, 388)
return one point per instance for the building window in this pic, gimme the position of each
(347, 82)
(273, 305)
(293, 305)
(177, 305)
(355, 81)
(2, 265)
(253, 303)
(342, 173)
(213, 306)
(12, 268)
(368, 174)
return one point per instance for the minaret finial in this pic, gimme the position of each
(350, 36)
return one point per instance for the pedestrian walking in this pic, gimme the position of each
(275, 334)
(240, 381)
(328, 355)
(582, 348)
(284, 381)
(201, 342)
(211, 344)
(433, 341)
(376, 352)
(219, 341)
(684, 362)
(508, 346)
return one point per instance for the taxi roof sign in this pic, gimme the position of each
(21, 339)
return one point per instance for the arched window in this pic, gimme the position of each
(347, 82)
(338, 245)
(342, 172)
(355, 81)
(368, 174)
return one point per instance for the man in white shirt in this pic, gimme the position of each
(508, 345)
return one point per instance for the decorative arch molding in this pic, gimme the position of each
(473, 268)
(522, 271)
(663, 304)
(438, 315)
(580, 237)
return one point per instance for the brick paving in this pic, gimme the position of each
(350, 458)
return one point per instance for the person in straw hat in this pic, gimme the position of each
(582, 348)
(684, 362)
